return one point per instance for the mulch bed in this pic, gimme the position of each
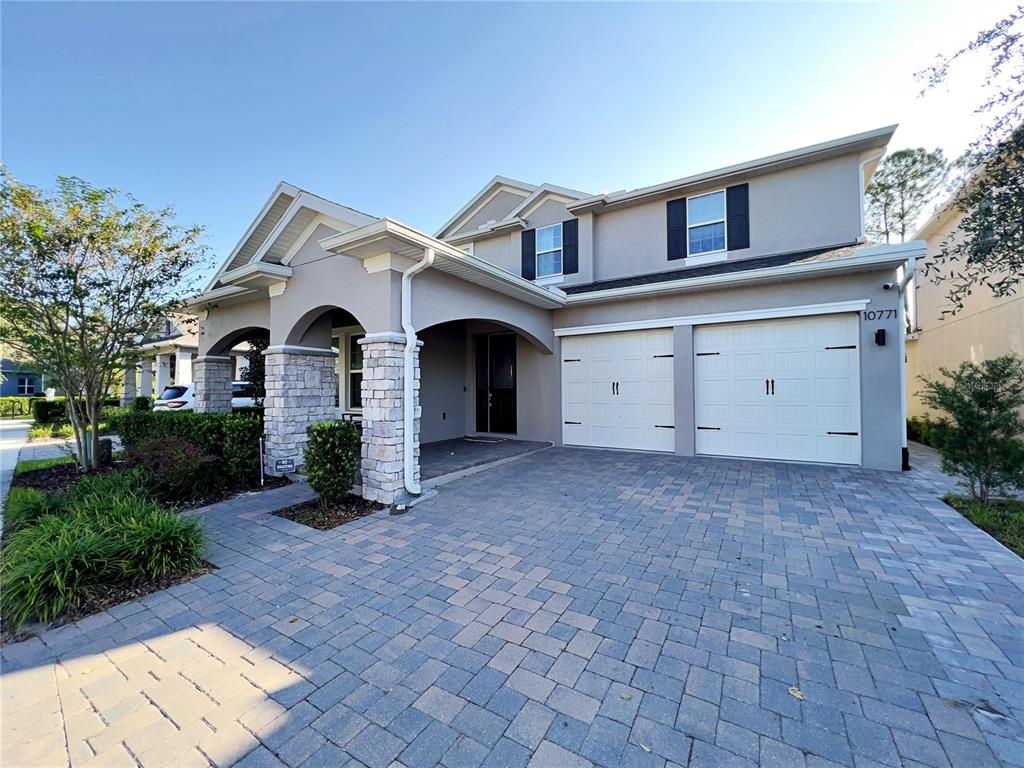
(57, 478)
(326, 517)
(229, 492)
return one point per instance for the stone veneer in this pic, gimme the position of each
(302, 388)
(212, 376)
(383, 425)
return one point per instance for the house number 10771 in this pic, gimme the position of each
(879, 314)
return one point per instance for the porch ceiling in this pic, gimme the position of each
(386, 237)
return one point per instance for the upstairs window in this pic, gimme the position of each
(705, 223)
(549, 251)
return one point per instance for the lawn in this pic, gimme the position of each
(29, 465)
(1002, 519)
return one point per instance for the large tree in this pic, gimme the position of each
(902, 186)
(987, 247)
(85, 272)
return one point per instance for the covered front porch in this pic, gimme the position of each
(463, 351)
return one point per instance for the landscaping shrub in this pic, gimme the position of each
(232, 436)
(110, 419)
(106, 532)
(979, 436)
(15, 406)
(48, 411)
(241, 446)
(331, 456)
(27, 505)
(179, 469)
(925, 431)
(142, 404)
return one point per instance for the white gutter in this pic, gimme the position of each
(412, 485)
(907, 277)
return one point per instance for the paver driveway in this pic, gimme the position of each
(571, 607)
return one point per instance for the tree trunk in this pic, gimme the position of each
(94, 421)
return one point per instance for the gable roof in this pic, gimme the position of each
(286, 215)
(860, 142)
(480, 198)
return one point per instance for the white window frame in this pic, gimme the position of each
(724, 222)
(347, 338)
(26, 386)
(561, 254)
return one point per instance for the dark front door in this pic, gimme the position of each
(496, 382)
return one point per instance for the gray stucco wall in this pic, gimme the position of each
(443, 382)
(495, 209)
(219, 328)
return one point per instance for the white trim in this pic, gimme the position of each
(711, 257)
(724, 222)
(863, 258)
(550, 280)
(256, 269)
(489, 190)
(835, 307)
(296, 349)
(872, 157)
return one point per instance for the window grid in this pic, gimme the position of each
(549, 251)
(705, 224)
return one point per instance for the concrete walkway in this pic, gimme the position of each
(570, 608)
(13, 436)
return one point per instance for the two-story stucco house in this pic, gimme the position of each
(735, 313)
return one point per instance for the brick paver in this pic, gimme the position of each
(571, 608)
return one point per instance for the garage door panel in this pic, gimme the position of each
(640, 364)
(817, 390)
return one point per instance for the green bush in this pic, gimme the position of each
(979, 435)
(232, 436)
(142, 404)
(48, 411)
(15, 406)
(27, 505)
(241, 446)
(331, 456)
(110, 419)
(106, 531)
(179, 469)
(925, 431)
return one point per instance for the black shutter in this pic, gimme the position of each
(676, 214)
(530, 254)
(570, 247)
(737, 206)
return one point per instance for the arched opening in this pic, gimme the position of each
(240, 346)
(486, 381)
(336, 329)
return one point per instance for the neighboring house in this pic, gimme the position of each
(736, 312)
(986, 327)
(167, 351)
(19, 379)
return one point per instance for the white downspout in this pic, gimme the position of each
(409, 373)
(907, 277)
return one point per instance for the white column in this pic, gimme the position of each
(163, 372)
(128, 390)
(146, 378)
(183, 367)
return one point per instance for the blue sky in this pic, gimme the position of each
(406, 110)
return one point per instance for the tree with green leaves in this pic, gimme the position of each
(981, 424)
(987, 246)
(254, 374)
(903, 185)
(86, 271)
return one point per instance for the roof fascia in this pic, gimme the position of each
(478, 200)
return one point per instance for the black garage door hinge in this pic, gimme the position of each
(705, 354)
(848, 346)
(717, 429)
(572, 422)
(664, 355)
(571, 360)
(843, 433)
(664, 426)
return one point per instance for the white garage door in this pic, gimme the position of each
(617, 390)
(779, 389)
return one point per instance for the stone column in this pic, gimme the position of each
(301, 388)
(383, 448)
(128, 390)
(183, 367)
(163, 372)
(146, 377)
(213, 383)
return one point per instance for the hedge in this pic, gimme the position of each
(234, 437)
(925, 431)
(17, 405)
(49, 411)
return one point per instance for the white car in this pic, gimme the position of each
(181, 397)
(177, 397)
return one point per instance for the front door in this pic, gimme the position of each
(496, 382)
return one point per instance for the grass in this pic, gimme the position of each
(28, 465)
(1002, 519)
